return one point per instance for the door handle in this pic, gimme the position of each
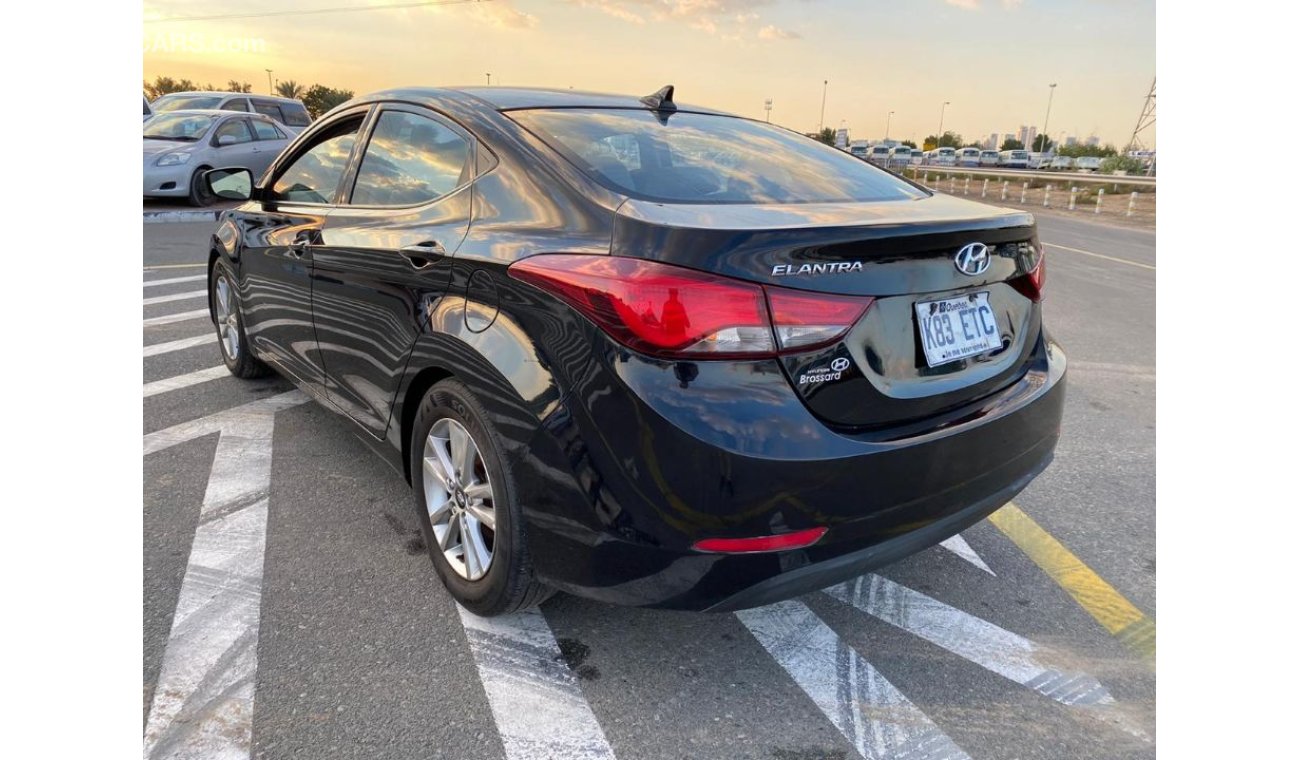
(422, 255)
(304, 238)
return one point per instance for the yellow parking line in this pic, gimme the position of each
(1106, 605)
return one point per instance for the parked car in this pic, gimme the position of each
(968, 157)
(900, 156)
(179, 146)
(147, 110)
(289, 113)
(859, 148)
(988, 158)
(1087, 163)
(1061, 163)
(879, 154)
(1040, 160)
(1014, 159)
(681, 378)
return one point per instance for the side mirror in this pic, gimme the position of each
(231, 184)
(224, 140)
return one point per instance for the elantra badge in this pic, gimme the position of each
(834, 267)
(973, 259)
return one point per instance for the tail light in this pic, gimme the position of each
(673, 312)
(1030, 284)
(750, 545)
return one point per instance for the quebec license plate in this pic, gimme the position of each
(955, 328)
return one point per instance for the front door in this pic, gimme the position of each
(385, 256)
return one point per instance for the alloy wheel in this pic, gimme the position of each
(227, 318)
(458, 497)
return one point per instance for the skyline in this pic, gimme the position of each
(992, 60)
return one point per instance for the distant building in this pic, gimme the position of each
(1093, 141)
(1071, 141)
(1027, 135)
(992, 143)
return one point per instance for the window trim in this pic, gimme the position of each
(224, 106)
(471, 161)
(305, 143)
(269, 121)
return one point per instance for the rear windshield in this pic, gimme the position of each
(177, 102)
(702, 158)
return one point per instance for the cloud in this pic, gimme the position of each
(500, 14)
(614, 8)
(773, 32)
(966, 5)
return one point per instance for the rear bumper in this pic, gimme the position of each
(662, 455)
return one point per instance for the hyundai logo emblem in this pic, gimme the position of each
(840, 364)
(973, 259)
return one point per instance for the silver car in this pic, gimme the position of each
(180, 145)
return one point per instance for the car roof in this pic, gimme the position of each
(511, 98)
(216, 112)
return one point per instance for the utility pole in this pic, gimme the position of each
(767, 106)
(489, 76)
(1047, 140)
(821, 123)
(269, 86)
(939, 137)
(887, 120)
(1145, 119)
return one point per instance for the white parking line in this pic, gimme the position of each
(183, 316)
(1138, 264)
(179, 345)
(957, 545)
(185, 381)
(539, 708)
(876, 718)
(203, 701)
(175, 280)
(175, 297)
(996, 649)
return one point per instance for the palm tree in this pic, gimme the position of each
(237, 86)
(290, 89)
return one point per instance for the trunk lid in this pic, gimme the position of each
(900, 252)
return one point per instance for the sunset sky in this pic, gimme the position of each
(993, 59)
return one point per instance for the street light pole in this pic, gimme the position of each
(767, 106)
(1051, 90)
(270, 87)
(489, 76)
(887, 120)
(821, 123)
(939, 137)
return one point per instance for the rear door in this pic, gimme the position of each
(271, 140)
(385, 255)
(233, 144)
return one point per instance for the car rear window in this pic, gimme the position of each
(703, 158)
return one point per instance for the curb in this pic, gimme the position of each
(161, 217)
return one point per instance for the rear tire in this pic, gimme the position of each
(476, 538)
(223, 298)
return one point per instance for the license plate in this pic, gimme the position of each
(955, 328)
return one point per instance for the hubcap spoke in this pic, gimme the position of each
(484, 514)
(474, 560)
(460, 452)
(453, 531)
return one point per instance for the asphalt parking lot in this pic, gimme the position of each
(290, 609)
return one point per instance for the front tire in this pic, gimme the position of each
(229, 320)
(198, 194)
(466, 502)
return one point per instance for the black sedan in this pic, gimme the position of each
(643, 352)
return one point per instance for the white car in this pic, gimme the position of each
(289, 113)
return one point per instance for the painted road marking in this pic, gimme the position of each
(184, 381)
(203, 701)
(876, 718)
(183, 316)
(176, 297)
(1102, 256)
(175, 280)
(172, 266)
(1135, 371)
(179, 345)
(539, 708)
(996, 649)
(957, 545)
(1106, 605)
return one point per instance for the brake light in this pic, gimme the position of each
(673, 312)
(782, 542)
(1030, 284)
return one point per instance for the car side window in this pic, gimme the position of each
(410, 159)
(265, 130)
(313, 176)
(267, 108)
(295, 115)
(236, 104)
(236, 128)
